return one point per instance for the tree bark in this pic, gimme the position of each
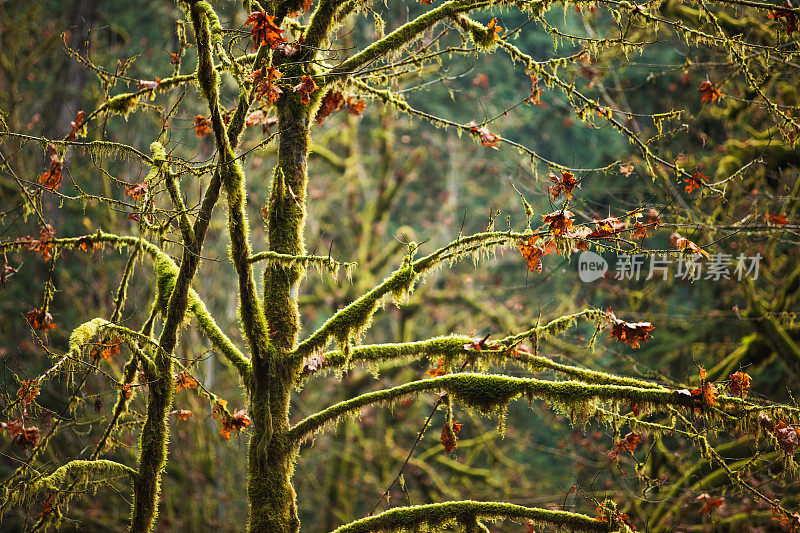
(271, 496)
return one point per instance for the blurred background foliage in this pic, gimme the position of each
(376, 183)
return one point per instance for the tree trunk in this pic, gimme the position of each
(271, 495)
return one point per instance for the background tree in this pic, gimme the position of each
(309, 61)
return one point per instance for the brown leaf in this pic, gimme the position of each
(559, 221)
(776, 220)
(631, 333)
(487, 137)
(182, 414)
(28, 391)
(6, 271)
(305, 88)
(52, 178)
(739, 384)
(331, 102)
(533, 253)
(355, 108)
(77, 125)
(682, 243)
(564, 184)
(450, 437)
(150, 85)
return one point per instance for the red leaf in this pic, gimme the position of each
(791, 19)
(709, 92)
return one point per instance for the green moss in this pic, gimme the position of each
(80, 474)
(122, 104)
(438, 516)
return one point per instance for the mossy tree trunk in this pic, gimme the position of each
(271, 495)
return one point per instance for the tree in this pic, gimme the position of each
(294, 72)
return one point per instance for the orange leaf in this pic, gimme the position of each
(264, 30)
(694, 181)
(41, 319)
(182, 414)
(137, 190)
(355, 108)
(777, 220)
(682, 243)
(709, 92)
(184, 381)
(202, 126)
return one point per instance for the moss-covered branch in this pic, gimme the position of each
(166, 272)
(349, 322)
(490, 393)
(322, 263)
(454, 345)
(81, 472)
(439, 515)
(401, 37)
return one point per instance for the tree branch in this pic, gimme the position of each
(437, 515)
(400, 37)
(488, 393)
(354, 318)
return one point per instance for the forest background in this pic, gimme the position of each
(384, 180)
